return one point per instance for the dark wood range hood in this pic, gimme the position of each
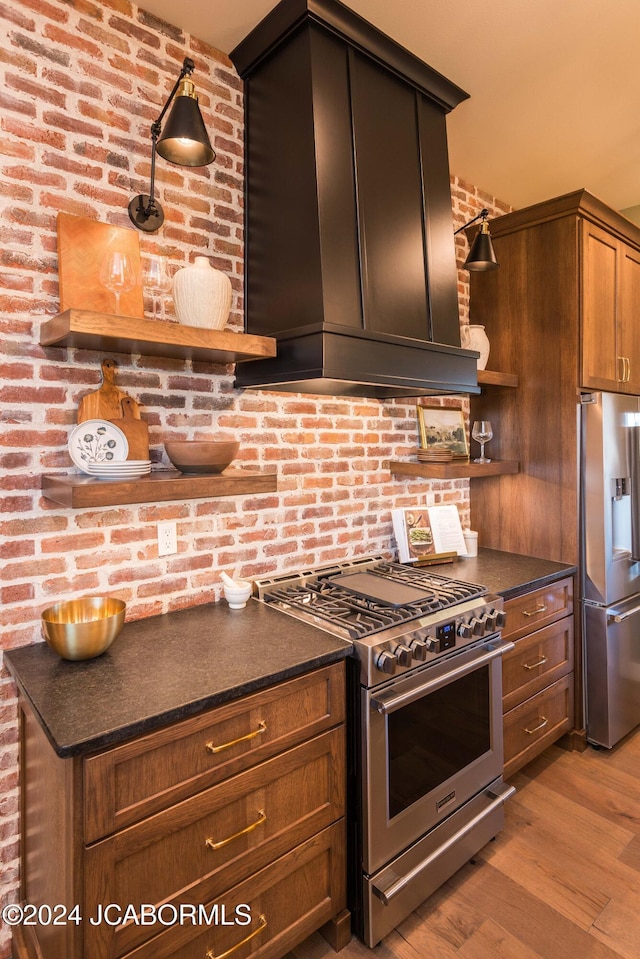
(350, 258)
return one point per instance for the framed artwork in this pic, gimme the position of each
(443, 427)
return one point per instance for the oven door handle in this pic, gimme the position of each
(499, 795)
(388, 703)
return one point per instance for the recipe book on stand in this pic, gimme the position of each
(428, 534)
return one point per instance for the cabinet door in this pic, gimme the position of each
(536, 723)
(195, 850)
(601, 368)
(629, 317)
(129, 782)
(538, 608)
(537, 661)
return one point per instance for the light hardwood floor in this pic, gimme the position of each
(562, 881)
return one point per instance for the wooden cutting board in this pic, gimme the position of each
(105, 402)
(83, 245)
(134, 428)
(110, 403)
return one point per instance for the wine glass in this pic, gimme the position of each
(157, 279)
(117, 274)
(482, 433)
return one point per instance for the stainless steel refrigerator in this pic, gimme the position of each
(610, 533)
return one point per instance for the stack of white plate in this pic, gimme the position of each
(118, 469)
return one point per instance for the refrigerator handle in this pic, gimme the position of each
(620, 617)
(634, 469)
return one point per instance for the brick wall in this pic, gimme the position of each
(81, 83)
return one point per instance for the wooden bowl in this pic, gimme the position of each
(83, 628)
(196, 456)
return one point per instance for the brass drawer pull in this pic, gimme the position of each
(262, 727)
(223, 955)
(540, 662)
(212, 844)
(535, 729)
(534, 612)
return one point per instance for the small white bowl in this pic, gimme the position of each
(237, 596)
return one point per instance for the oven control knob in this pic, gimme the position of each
(477, 626)
(464, 630)
(501, 618)
(403, 654)
(491, 620)
(386, 662)
(418, 649)
(433, 645)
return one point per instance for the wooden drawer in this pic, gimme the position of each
(249, 821)
(287, 901)
(536, 723)
(130, 782)
(538, 660)
(538, 608)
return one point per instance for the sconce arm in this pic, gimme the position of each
(482, 215)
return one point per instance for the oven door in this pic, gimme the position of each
(431, 741)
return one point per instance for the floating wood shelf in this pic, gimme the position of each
(493, 378)
(77, 491)
(454, 470)
(86, 330)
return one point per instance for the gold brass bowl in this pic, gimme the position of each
(83, 628)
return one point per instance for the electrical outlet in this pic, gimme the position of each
(167, 539)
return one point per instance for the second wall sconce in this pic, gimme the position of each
(481, 257)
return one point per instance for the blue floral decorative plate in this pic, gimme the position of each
(97, 441)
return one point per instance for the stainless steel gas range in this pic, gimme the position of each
(426, 723)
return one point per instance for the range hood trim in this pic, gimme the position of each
(362, 364)
(343, 22)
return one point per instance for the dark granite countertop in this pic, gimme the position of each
(508, 574)
(166, 668)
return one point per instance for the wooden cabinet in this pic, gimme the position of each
(610, 292)
(560, 313)
(537, 676)
(224, 832)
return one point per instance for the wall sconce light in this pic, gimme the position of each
(481, 256)
(185, 141)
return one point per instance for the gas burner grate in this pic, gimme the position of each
(316, 597)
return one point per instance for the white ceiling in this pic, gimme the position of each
(554, 84)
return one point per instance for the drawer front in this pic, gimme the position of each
(199, 848)
(286, 902)
(538, 660)
(536, 723)
(538, 608)
(130, 782)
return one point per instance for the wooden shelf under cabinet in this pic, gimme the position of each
(87, 330)
(493, 378)
(453, 470)
(77, 491)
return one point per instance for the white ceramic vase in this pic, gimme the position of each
(202, 295)
(475, 338)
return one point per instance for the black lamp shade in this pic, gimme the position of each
(184, 139)
(482, 256)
